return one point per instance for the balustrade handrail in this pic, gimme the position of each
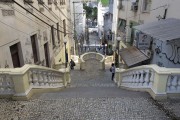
(85, 54)
(24, 69)
(18, 82)
(155, 68)
(158, 81)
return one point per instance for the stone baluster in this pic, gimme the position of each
(146, 80)
(41, 80)
(178, 87)
(169, 83)
(35, 78)
(53, 79)
(2, 84)
(30, 78)
(134, 79)
(137, 78)
(173, 83)
(45, 79)
(141, 78)
(49, 79)
(1, 80)
(151, 78)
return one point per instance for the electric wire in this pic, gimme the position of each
(25, 15)
(13, 27)
(46, 7)
(37, 17)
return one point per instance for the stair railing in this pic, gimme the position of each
(158, 81)
(19, 82)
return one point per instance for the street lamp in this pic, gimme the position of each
(79, 49)
(105, 49)
(66, 57)
(118, 40)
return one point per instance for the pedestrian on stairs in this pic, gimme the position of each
(112, 70)
(72, 64)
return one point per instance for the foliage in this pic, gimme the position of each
(91, 13)
(104, 2)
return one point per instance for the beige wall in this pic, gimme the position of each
(19, 28)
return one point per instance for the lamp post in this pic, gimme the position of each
(65, 53)
(105, 49)
(79, 49)
(118, 40)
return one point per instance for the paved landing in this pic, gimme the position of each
(91, 96)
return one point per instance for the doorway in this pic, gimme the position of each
(16, 54)
(46, 52)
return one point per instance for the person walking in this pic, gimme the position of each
(112, 70)
(72, 64)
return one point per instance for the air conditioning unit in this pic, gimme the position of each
(134, 6)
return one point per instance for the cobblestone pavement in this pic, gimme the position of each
(91, 96)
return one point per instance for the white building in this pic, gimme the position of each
(144, 12)
(101, 11)
(135, 12)
(110, 21)
(78, 16)
(33, 32)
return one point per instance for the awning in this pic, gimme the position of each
(132, 56)
(167, 29)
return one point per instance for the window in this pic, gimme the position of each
(50, 2)
(34, 48)
(121, 25)
(64, 26)
(146, 5)
(62, 2)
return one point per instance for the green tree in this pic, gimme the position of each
(91, 13)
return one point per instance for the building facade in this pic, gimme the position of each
(33, 32)
(137, 12)
(100, 20)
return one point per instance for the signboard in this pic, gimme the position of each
(144, 41)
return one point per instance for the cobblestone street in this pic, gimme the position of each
(91, 96)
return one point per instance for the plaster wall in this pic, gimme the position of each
(169, 53)
(19, 28)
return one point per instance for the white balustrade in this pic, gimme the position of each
(173, 84)
(137, 78)
(40, 78)
(18, 82)
(92, 55)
